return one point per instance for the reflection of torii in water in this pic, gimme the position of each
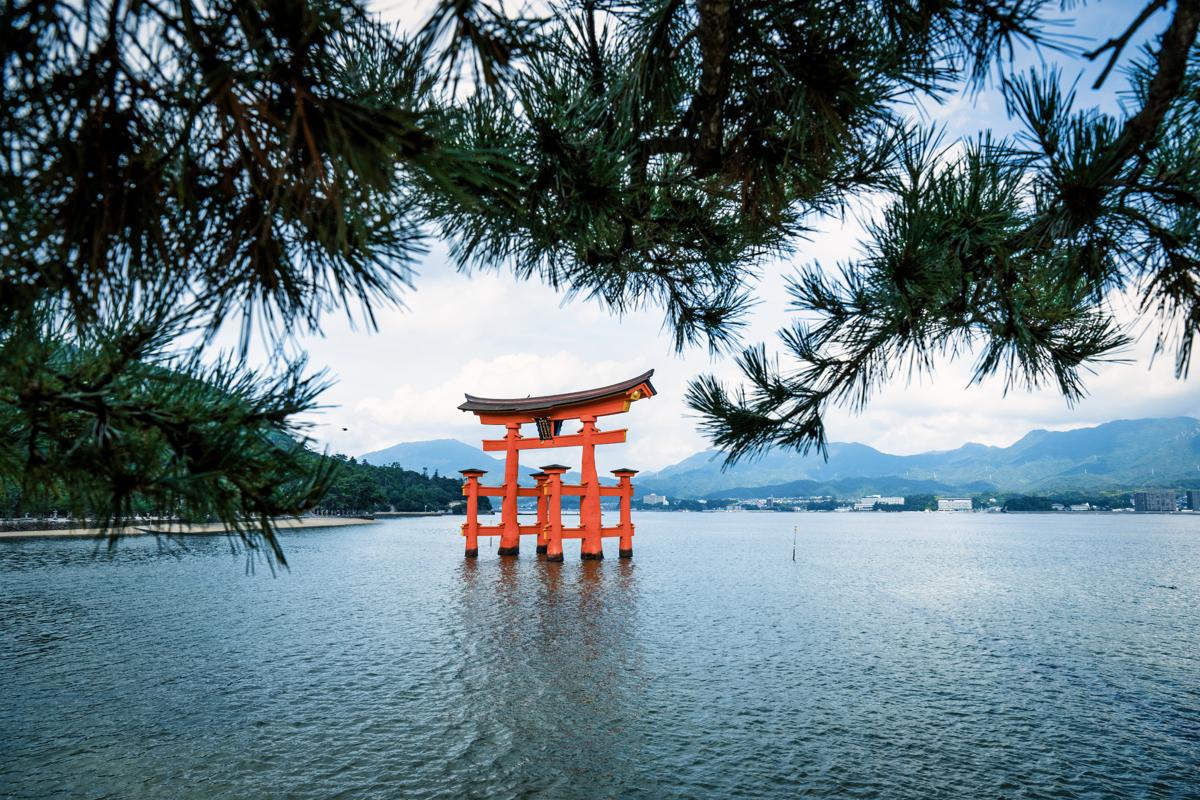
(548, 414)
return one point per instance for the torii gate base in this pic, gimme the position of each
(549, 529)
(549, 413)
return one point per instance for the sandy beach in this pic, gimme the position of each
(172, 528)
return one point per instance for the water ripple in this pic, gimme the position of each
(901, 656)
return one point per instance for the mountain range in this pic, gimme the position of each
(444, 456)
(1119, 455)
(448, 456)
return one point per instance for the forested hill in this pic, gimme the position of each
(359, 487)
(355, 488)
(445, 455)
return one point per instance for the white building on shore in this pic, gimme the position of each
(954, 504)
(869, 502)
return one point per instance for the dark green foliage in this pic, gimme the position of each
(171, 167)
(360, 487)
(346, 487)
(236, 156)
(912, 502)
(686, 504)
(666, 148)
(824, 505)
(111, 423)
(1101, 502)
(1028, 503)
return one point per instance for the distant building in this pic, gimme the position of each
(653, 499)
(1081, 507)
(869, 502)
(954, 504)
(1193, 498)
(1154, 501)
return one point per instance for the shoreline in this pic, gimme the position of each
(169, 529)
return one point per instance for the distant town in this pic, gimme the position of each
(1149, 501)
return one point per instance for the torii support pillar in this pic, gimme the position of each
(471, 526)
(589, 505)
(554, 527)
(625, 487)
(510, 534)
(543, 516)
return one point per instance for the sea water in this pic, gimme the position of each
(898, 656)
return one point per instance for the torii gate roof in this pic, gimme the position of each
(550, 402)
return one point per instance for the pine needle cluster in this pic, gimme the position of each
(168, 168)
(666, 149)
(1010, 250)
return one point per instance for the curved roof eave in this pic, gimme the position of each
(553, 401)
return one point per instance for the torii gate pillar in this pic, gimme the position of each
(510, 538)
(589, 505)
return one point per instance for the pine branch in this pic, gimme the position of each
(1140, 130)
(1117, 44)
(715, 35)
(113, 425)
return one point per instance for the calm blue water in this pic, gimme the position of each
(900, 656)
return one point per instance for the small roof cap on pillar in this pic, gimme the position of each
(473, 471)
(552, 468)
(624, 471)
(537, 474)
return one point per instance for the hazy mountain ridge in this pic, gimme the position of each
(448, 456)
(1122, 454)
(1116, 455)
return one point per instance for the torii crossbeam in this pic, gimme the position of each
(548, 414)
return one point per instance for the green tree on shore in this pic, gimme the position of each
(361, 487)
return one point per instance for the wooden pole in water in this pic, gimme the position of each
(795, 529)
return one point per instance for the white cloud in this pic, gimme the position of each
(492, 335)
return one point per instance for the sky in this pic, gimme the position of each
(492, 335)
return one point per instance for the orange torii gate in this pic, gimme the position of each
(548, 414)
